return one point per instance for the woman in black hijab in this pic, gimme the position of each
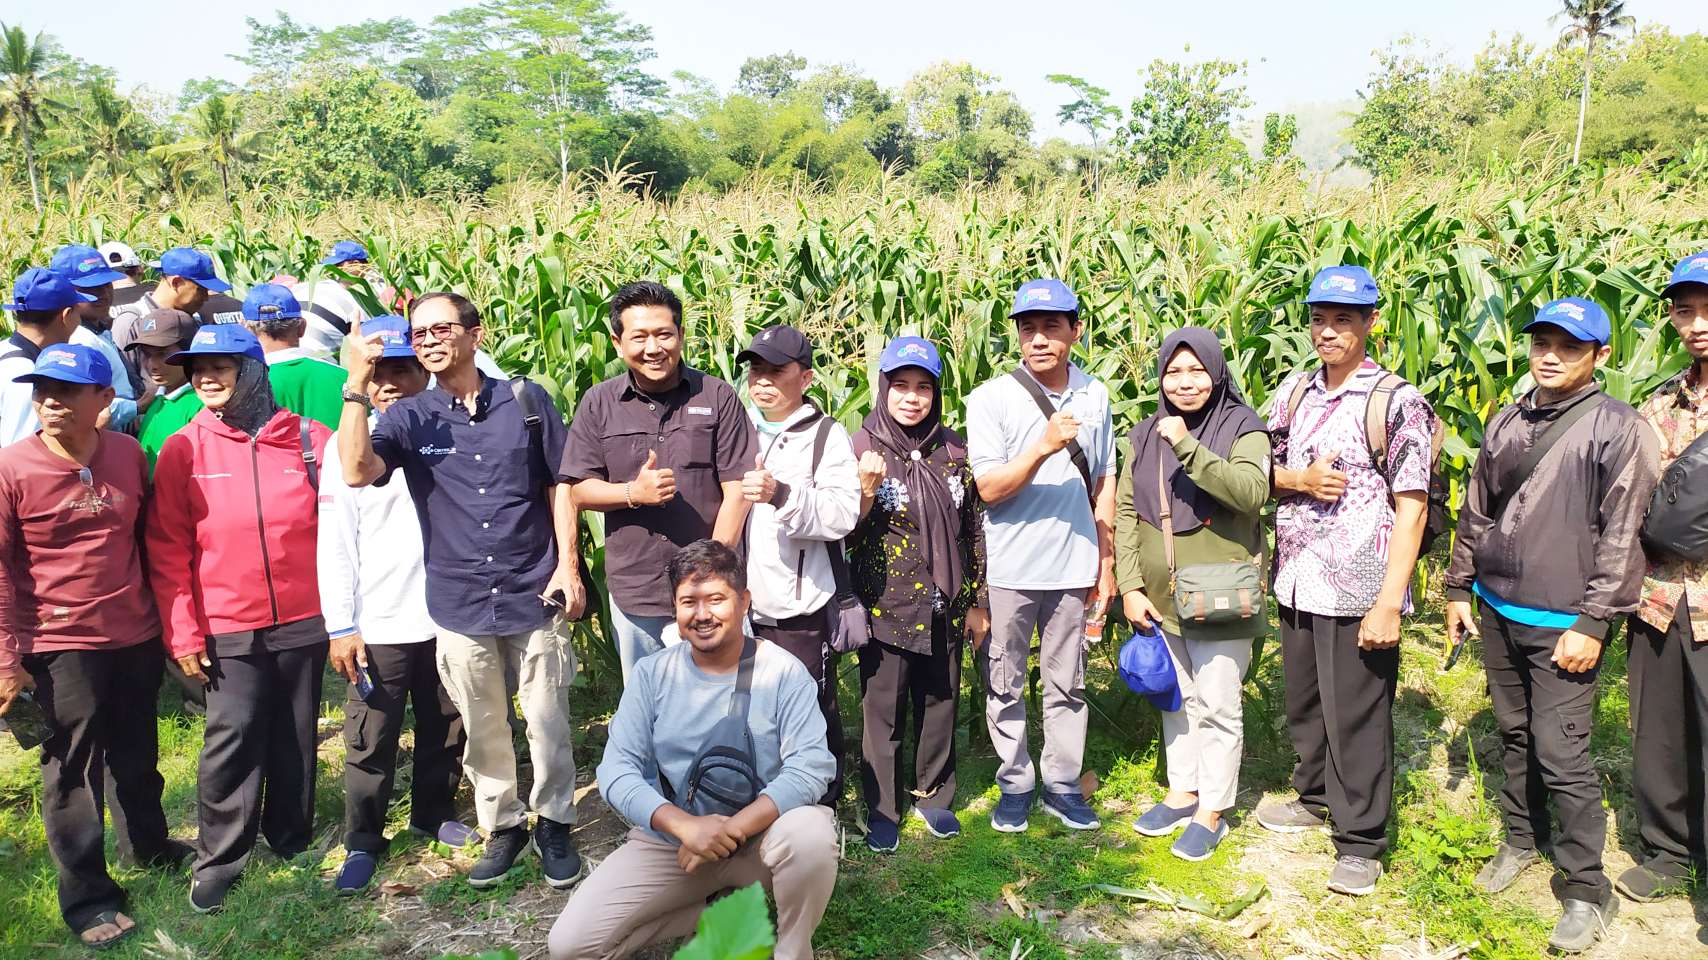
(1213, 454)
(917, 558)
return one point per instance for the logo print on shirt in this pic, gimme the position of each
(700, 411)
(428, 450)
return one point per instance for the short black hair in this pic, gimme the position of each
(467, 313)
(35, 318)
(706, 560)
(644, 293)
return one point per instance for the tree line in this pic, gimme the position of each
(511, 90)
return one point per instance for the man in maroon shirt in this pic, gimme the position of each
(78, 627)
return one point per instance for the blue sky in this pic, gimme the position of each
(1297, 53)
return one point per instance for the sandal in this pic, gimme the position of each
(105, 918)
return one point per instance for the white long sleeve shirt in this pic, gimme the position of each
(788, 569)
(372, 576)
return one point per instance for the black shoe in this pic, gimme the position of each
(502, 850)
(1582, 924)
(1646, 886)
(558, 859)
(1501, 872)
(207, 897)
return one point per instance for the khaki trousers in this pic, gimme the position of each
(481, 674)
(639, 895)
(1204, 739)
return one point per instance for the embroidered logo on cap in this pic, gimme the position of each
(1569, 309)
(913, 350)
(1339, 282)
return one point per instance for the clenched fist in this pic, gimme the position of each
(1060, 432)
(873, 469)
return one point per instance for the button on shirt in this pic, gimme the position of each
(700, 432)
(483, 501)
(1045, 536)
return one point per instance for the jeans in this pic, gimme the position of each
(638, 637)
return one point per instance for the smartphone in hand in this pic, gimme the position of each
(364, 682)
(28, 721)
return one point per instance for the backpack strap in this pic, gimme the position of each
(309, 460)
(1298, 395)
(1074, 450)
(532, 418)
(1533, 457)
(1376, 409)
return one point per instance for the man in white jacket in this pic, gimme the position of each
(373, 593)
(805, 492)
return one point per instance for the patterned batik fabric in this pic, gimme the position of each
(1331, 558)
(1679, 413)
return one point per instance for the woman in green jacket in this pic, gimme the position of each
(1214, 457)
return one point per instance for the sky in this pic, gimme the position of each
(1299, 53)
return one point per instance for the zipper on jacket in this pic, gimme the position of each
(261, 524)
(800, 567)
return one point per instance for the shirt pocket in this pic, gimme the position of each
(625, 451)
(695, 445)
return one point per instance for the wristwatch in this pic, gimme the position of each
(357, 396)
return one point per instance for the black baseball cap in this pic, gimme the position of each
(778, 345)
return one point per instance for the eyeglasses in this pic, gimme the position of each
(440, 331)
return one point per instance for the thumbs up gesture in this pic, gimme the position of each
(758, 485)
(653, 486)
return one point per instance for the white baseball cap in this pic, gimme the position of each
(119, 255)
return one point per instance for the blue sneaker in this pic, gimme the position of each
(882, 834)
(1009, 815)
(1161, 820)
(1199, 841)
(942, 823)
(1071, 809)
(452, 833)
(356, 873)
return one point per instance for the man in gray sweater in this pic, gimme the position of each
(656, 884)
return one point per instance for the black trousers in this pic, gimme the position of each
(257, 765)
(400, 672)
(895, 685)
(808, 638)
(1669, 723)
(1340, 716)
(101, 706)
(1544, 714)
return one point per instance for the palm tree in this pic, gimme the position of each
(25, 71)
(1590, 20)
(108, 130)
(218, 137)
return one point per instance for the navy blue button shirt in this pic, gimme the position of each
(484, 502)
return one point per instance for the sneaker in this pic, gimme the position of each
(206, 897)
(1071, 809)
(452, 833)
(558, 857)
(882, 834)
(939, 821)
(1199, 841)
(502, 850)
(1009, 816)
(356, 873)
(1289, 816)
(1647, 886)
(1582, 923)
(1355, 876)
(1501, 872)
(1161, 820)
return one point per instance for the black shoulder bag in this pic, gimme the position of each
(1678, 513)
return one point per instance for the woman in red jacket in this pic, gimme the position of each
(231, 554)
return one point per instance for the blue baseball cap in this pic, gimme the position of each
(1148, 670)
(1581, 318)
(1692, 269)
(270, 301)
(220, 339)
(344, 251)
(1344, 284)
(1044, 294)
(192, 265)
(70, 363)
(394, 331)
(83, 266)
(39, 288)
(911, 352)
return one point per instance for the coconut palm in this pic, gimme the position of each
(1589, 21)
(217, 137)
(108, 131)
(25, 71)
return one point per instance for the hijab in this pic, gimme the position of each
(1217, 425)
(913, 446)
(251, 405)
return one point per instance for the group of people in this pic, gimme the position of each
(413, 519)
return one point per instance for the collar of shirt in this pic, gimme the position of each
(675, 395)
(1532, 402)
(31, 351)
(288, 354)
(802, 412)
(1077, 381)
(182, 389)
(1359, 382)
(483, 401)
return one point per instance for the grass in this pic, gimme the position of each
(949, 898)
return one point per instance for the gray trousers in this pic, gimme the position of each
(1058, 617)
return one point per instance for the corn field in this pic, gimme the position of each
(1463, 264)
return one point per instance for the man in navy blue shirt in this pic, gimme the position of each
(500, 546)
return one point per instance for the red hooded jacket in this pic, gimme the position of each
(231, 529)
